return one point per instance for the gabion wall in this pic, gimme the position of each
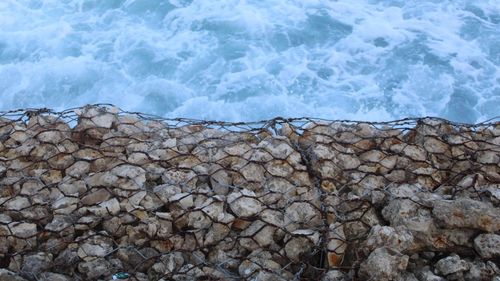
(94, 191)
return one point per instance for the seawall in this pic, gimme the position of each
(90, 192)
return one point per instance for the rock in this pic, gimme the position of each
(301, 244)
(383, 264)
(301, 212)
(467, 213)
(78, 169)
(106, 208)
(49, 276)
(131, 177)
(451, 264)
(487, 245)
(95, 246)
(409, 215)
(398, 239)
(36, 263)
(72, 187)
(23, 230)
(17, 204)
(140, 259)
(67, 259)
(184, 199)
(65, 205)
(253, 172)
(59, 223)
(425, 274)
(96, 197)
(94, 269)
(6, 275)
(481, 271)
(334, 275)
(415, 153)
(337, 244)
(244, 204)
(31, 187)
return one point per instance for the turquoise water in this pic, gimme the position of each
(252, 59)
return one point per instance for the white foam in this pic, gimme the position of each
(249, 59)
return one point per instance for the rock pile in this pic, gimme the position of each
(88, 193)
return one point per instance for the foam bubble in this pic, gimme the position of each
(247, 60)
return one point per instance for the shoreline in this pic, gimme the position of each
(93, 191)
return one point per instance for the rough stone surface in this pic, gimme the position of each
(488, 245)
(451, 264)
(95, 191)
(383, 264)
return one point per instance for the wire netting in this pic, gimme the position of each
(92, 191)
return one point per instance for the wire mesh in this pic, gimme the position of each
(92, 191)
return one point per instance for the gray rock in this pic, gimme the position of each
(244, 204)
(450, 265)
(96, 268)
(399, 239)
(487, 245)
(50, 276)
(334, 275)
(383, 264)
(95, 246)
(467, 213)
(96, 197)
(480, 271)
(6, 275)
(36, 263)
(425, 274)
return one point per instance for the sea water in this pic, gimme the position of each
(254, 59)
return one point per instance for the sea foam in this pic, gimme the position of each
(250, 59)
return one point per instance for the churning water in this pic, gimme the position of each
(254, 59)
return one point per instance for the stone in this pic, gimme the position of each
(184, 199)
(95, 246)
(65, 205)
(96, 197)
(72, 187)
(132, 177)
(481, 271)
(425, 274)
(337, 245)
(17, 204)
(253, 172)
(34, 264)
(50, 276)
(398, 239)
(487, 245)
(106, 208)
(31, 187)
(23, 229)
(383, 264)
(244, 204)
(434, 145)
(95, 268)
(301, 243)
(78, 169)
(467, 213)
(451, 264)
(415, 153)
(301, 212)
(6, 275)
(59, 223)
(334, 275)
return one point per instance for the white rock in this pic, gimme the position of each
(106, 208)
(487, 245)
(17, 204)
(244, 204)
(78, 169)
